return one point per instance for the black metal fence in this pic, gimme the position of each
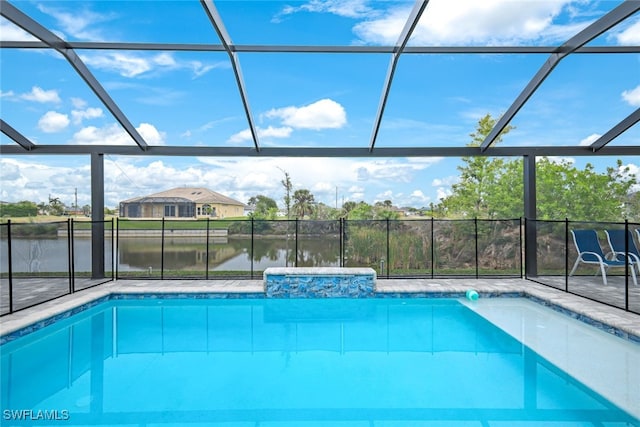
(39, 262)
(558, 264)
(394, 248)
(43, 261)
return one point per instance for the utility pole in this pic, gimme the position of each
(75, 209)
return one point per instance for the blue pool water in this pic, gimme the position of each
(325, 362)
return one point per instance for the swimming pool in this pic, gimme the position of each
(321, 362)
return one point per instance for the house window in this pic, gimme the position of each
(186, 210)
(199, 210)
(169, 210)
(208, 210)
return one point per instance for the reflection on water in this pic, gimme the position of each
(255, 361)
(180, 254)
(231, 254)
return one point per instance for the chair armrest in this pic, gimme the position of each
(597, 255)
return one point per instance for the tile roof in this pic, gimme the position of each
(193, 194)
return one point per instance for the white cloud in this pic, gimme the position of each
(558, 159)
(446, 181)
(90, 113)
(150, 134)
(633, 170)
(200, 69)
(165, 59)
(323, 114)
(418, 197)
(323, 187)
(497, 22)
(385, 195)
(630, 36)
(35, 181)
(484, 22)
(80, 22)
(344, 8)
(590, 139)
(384, 30)
(134, 65)
(269, 132)
(10, 32)
(8, 94)
(127, 65)
(242, 136)
(78, 103)
(113, 134)
(53, 122)
(443, 186)
(632, 97)
(443, 193)
(396, 170)
(38, 94)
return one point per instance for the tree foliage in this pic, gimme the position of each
(493, 188)
(303, 202)
(474, 195)
(20, 209)
(288, 188)
(263, 207)
(55, 207)
(565, 191)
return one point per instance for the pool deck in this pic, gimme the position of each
(600, 313)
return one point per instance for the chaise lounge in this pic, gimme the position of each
(621, 247)
(590, 252)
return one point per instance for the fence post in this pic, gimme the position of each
(521, 245)
(117, 250)
(70, 252)
(388, 249)
(252, 247)
(531, 227)
(206, 252)
(628, 265)
(475, 228)
(114, 263)
(296, 260)
(433, 243)
(566, 254)
(341, 253)
(162, 252)
(10, 269)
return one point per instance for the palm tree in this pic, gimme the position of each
(303, 202)
(42, 208)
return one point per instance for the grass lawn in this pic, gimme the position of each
(47, 225)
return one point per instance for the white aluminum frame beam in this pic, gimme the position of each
(196, 47)
(575, 46)
(25, 22)
(216, 21)
(327, 152)
(615, 16)
(16, 136)
(615, 131)
(405, 34)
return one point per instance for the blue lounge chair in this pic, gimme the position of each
(590, 252)
(619, 249)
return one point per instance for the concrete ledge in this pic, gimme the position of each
(319, 282)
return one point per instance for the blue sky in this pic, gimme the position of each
(300, 100)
